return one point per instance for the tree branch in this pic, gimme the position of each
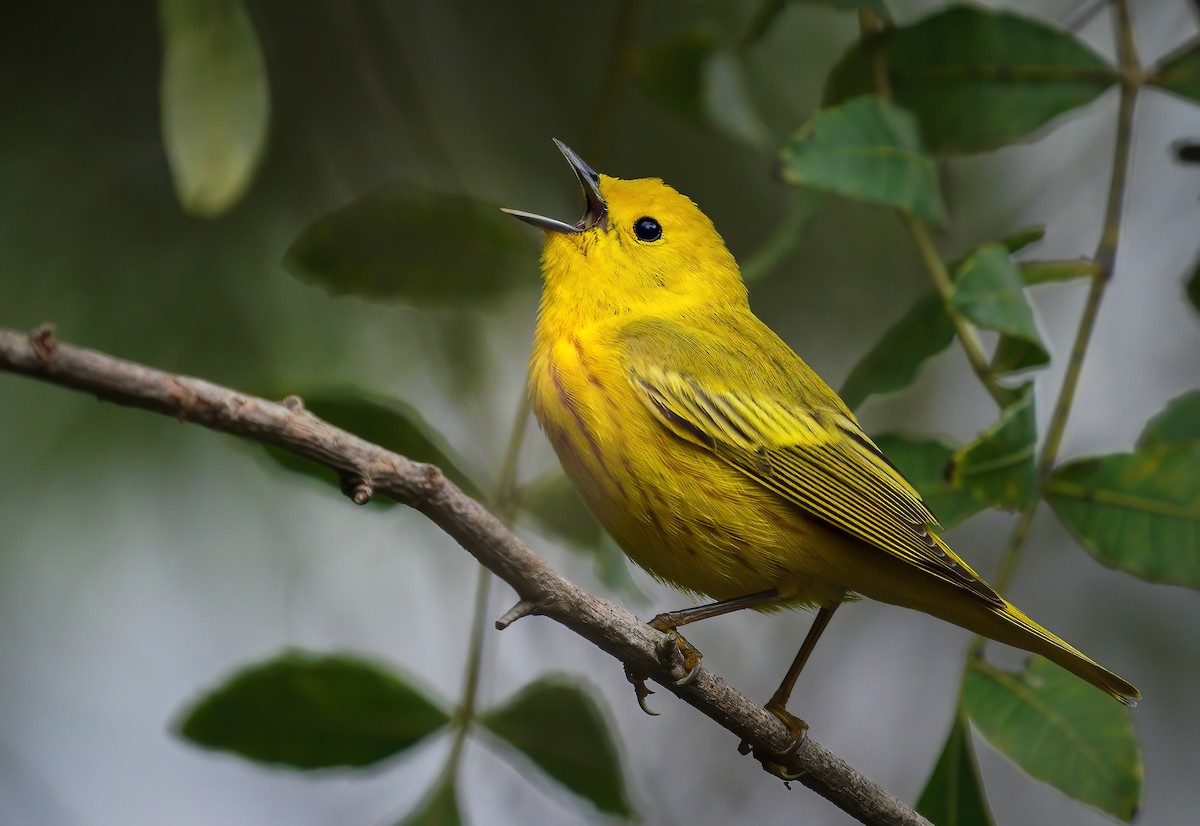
(373, 470)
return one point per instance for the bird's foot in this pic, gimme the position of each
(676, 652)
(770, 760)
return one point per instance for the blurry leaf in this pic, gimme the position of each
(1021, 238)
(977, 79)
(214, 100)
(1178, 424)
(1193, 287)
(728, 104)
(1015, 355)
(989, 291)
(1014, 242)
(866, 149)
(311, 711)
(1139, 512)
(695, 78)
(797, 220)
(953, 795)
(893, 363)
(768, 10)
(1061, 730)
(439, 808)
(464, 348)
(1180, 71)
(924, 462)
(998, 465)
(407, 244)
(559, 512)
(1048, 272)
(672, 72)
(876, 6)
(559, 726)
(553, 501)
(388, 423)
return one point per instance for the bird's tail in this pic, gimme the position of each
(1007, 624)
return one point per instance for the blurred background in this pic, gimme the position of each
(141, 561)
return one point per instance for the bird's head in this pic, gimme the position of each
(640, 245)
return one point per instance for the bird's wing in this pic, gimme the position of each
(816, 457)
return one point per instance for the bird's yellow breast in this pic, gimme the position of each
(680, 513)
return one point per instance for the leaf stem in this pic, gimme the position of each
(504, 506)
(967, 335)
(871, 28)
(1106, 257)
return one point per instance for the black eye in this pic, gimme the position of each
(647, 229)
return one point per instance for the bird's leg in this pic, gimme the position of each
(671, 620)
(777, 705)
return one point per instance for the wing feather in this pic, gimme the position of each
(817, 458)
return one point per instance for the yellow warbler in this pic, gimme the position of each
(715, 457)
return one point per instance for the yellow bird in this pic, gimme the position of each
(714, 456)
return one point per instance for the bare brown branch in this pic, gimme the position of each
(371, 470)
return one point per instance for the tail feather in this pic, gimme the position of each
(1007, 624)
(1033, 637)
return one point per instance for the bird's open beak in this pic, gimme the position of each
(597, 211)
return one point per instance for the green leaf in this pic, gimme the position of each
(998, 465)
(672, 72)
(1061, 730)
(925, 463)
(1180, 72)
(1139, 512)
(439, 808)
(989, 291)
(215, 101)
(410, 245)
(558, 725)
(876, 6)
(954, 795)
(1021, 238)
(1034, 273)
(1192, 288)
(389, 423)
(559, 512)
(768, 10)
(977, 79)
(866, 149)
(311, 711)
(1178, 424)
(694, 77)
(893, 363)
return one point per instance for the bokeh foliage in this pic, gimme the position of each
(961, 80)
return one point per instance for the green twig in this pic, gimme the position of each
(1106, 256)
(504, 505)
(967, 335)
(871, 28)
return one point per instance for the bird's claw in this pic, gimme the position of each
(689, 677)
(677, 651)
(640, 690)
(673, 653)
(799, 731)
